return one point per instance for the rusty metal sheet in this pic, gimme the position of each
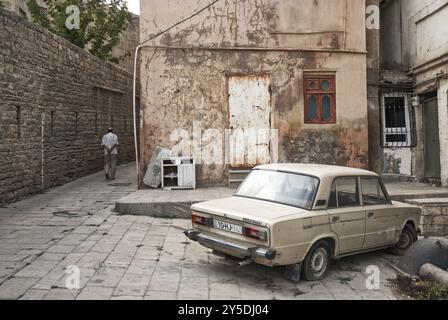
(249, 120)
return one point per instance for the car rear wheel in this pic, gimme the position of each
(317, 262)
(407, 238)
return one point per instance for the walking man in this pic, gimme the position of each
(110, 143)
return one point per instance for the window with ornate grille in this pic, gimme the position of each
(320, 99)
(396, 120)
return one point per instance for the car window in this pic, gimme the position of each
(282, 187)
(347, 192)
(372, 193)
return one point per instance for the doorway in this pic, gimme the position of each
(249, 121)
(432, 139)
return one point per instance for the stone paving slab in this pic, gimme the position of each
(140, 257)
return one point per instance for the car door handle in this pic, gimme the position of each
(335, 219)
(370, 214)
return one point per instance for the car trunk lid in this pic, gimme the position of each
(247, 210)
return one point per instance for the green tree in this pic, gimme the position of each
(100, 23)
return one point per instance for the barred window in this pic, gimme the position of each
(320, 99)
(396, 120)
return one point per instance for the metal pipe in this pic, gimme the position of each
(134, 110)
(42, 136)
(245, 262)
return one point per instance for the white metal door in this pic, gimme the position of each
(249, 120)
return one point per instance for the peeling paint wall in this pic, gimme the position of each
(373, 99)
(415, 44)
(312, 24)
(397, 161)
(442, 97)
(184, 74)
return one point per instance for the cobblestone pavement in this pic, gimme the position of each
(136, 257)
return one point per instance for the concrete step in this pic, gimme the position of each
(234, 184)
(236, 176)
(171, 204)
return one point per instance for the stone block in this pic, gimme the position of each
(432, 210)
(434, 231)
(440, 220)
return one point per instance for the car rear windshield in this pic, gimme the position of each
(286, 188)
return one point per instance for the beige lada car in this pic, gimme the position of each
(301, 216)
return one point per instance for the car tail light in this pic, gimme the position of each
(255, 234)
(200, 220)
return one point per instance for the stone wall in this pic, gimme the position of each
(56, 102)
(434, 221)
(129, 40)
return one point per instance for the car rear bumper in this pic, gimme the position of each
(232, 247)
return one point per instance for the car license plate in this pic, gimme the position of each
(229, 227)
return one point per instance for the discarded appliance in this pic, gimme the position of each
(178, 173)
(152, 176)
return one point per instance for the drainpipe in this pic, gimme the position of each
(42, 135)
(135, 70)
(134, 109)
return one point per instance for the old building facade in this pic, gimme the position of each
(412, 138)
(293, 70)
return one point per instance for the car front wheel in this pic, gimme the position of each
(317, 262)
(407, 238)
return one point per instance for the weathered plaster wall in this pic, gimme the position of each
(415, 42)
(129, 40)
(415, 38)
(424, 30)
(373, 99)
(442, 97)
(182, 86)
(397, 161)
(391, 35)
(414, 31)
(184, 73)
(305, 24)
(56, 102)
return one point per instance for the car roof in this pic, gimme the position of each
(317, 170)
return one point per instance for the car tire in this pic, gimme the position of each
(317, 262)
(407, 238)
